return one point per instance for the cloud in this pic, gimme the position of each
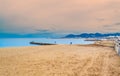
(117, 23)
(100, 19)
(112, 27)
(28, 16)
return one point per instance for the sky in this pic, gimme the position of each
(60, 16)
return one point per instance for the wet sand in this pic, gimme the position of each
(59, 60)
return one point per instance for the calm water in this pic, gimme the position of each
(18, 42)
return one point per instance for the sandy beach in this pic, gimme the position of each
(59, 60)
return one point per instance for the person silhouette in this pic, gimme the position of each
(55, 42)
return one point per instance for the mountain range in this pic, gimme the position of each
(56, 35)
(92, 35)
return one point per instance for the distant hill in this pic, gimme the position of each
(54, 35)
(91, 35)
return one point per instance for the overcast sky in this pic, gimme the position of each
(64, 16)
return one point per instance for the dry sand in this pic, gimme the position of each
(59, 60)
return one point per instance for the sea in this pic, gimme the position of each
(19, 42)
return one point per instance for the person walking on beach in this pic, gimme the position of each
(55, 42)
(70, 43)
